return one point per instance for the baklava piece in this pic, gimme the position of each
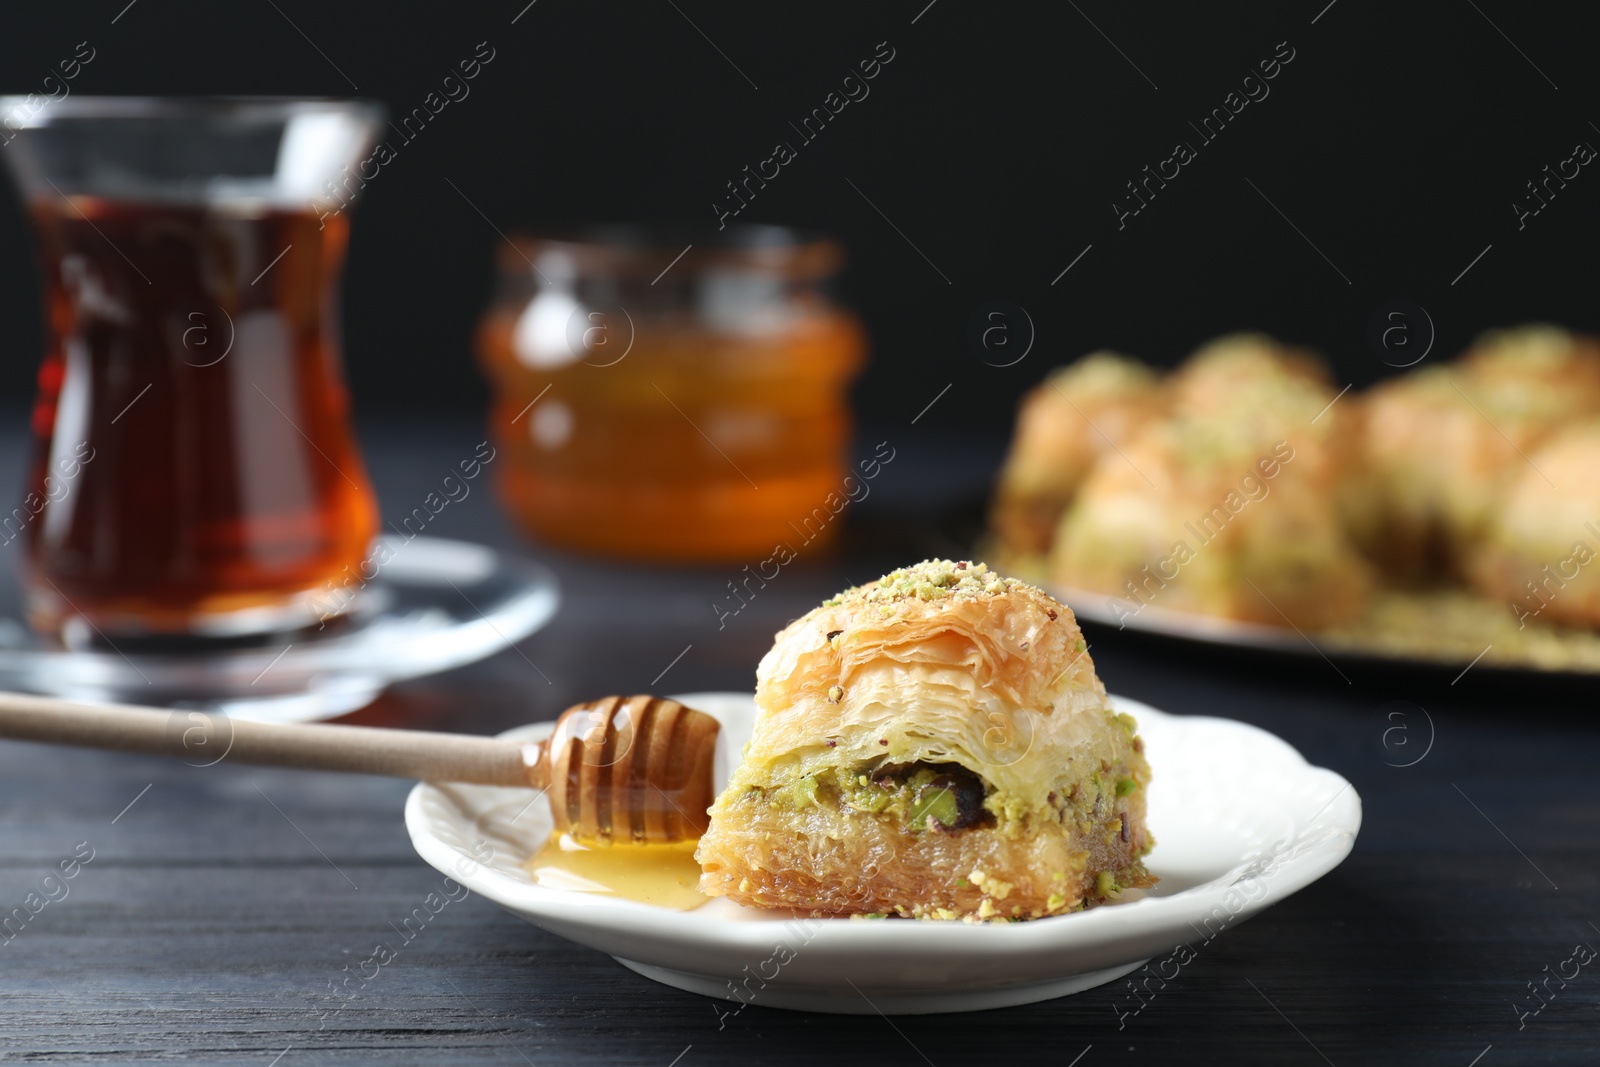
(1236, 505)
(1215, 518)
(1080, 412)
(1239, 371)
(934, 744)
(1444, 444)
(1540, 551)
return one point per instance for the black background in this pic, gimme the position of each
(997, 140)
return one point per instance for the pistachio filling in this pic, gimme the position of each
(918, 796)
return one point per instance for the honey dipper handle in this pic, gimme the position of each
(201, 739)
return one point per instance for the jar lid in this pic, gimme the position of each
(631, 252)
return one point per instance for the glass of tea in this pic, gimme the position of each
(673, 396)
(195, 475)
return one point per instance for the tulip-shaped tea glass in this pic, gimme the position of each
(194, 475)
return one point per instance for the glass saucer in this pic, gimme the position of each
(436, 605)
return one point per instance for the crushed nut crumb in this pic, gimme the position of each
(835, 694)
(933, 579)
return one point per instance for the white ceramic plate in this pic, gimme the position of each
(1240, 819)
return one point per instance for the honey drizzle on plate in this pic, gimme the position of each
(666, 876)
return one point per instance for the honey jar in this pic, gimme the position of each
(665, 396)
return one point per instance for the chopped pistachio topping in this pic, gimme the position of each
(933, 579)
(1100, 377)
(998, 889)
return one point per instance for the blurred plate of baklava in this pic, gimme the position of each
(1450, 515)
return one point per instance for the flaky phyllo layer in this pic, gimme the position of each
(935, 744)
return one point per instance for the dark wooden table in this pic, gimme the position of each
(222, 905)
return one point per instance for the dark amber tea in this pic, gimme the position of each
(194, 470)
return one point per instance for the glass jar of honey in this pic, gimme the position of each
(671, 396)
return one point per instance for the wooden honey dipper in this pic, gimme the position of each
(634, 769)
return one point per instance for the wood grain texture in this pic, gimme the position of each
(220, 912)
